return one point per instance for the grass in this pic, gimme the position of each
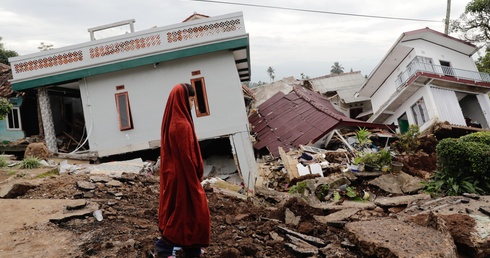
(53, 172)
(30, 163)
(3, 163)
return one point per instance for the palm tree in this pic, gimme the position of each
(337, 68)
(270, 71)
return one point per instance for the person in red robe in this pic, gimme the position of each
(183, 214)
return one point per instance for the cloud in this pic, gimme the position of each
(293, 42)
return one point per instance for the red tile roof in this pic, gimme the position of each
(5, 76)
(300, 117)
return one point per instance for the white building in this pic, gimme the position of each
(428, 77)
(121, 84)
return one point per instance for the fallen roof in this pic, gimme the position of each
(300, 117)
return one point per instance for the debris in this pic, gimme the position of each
(98, 215)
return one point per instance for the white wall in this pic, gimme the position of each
(425, 49)
(437, 53)
(148, 88)
(406, 107)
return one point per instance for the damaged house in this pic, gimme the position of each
(428, 77)
(300, 117)
(340, 89)
(116, 87)
(10, 127)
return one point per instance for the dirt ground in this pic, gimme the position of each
(239, 227)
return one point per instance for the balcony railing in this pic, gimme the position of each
(416, 67)
(128, 46)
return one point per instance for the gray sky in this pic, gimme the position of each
(292, 42)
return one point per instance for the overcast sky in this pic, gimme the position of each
(292, 42)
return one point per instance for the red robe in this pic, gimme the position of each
(183, 214)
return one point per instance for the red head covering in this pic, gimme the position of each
(183, 213)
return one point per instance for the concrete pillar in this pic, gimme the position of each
(47, 119)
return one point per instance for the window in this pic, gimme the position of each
(124, 111)
(201, 99)
(446, 68)
(420, 112)
(13, 119)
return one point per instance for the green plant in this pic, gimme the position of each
(321, 192)
(30, 163)
(385, 157)
(49, 173)
(3, 162)
(362, 136)
(370, 157)
(5, 107)
(351, 192)
(409, 141)
(336, 196)
(298, 188)
(462, 166)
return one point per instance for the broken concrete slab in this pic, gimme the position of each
(400, 183)
(78, 204)
(309, 239)
(86, 186)
(347, 204)
(448, 205)
(116, 168)
(114, 183)
(37, 211)
(395, 238)
(290, 218)
(18, 188)
(400, 200)
(337, 216)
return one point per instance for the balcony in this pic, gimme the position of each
(441, 73)
(135, 49)
(419, 74)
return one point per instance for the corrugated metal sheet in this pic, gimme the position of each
(300, 117)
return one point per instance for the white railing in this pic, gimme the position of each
(128, 46)
(415, 67)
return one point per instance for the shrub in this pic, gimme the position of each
(30, 163)
(480, 137)
(409, 141)
(3, 163)
(462, 166)
(362, 136)
(5, 107)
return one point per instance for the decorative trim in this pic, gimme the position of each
(203, 31)
(182, 53)
(125, 46)
(46, 62)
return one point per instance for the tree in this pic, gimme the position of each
(474, 23)
(474, 26)
(5, 54)
(337, 68)
(483, 62)
(304, 77)
(270, 71)
(44, 47)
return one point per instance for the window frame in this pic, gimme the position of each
(419, 110)
(128, 124)
(201, 105)
(10, 116)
